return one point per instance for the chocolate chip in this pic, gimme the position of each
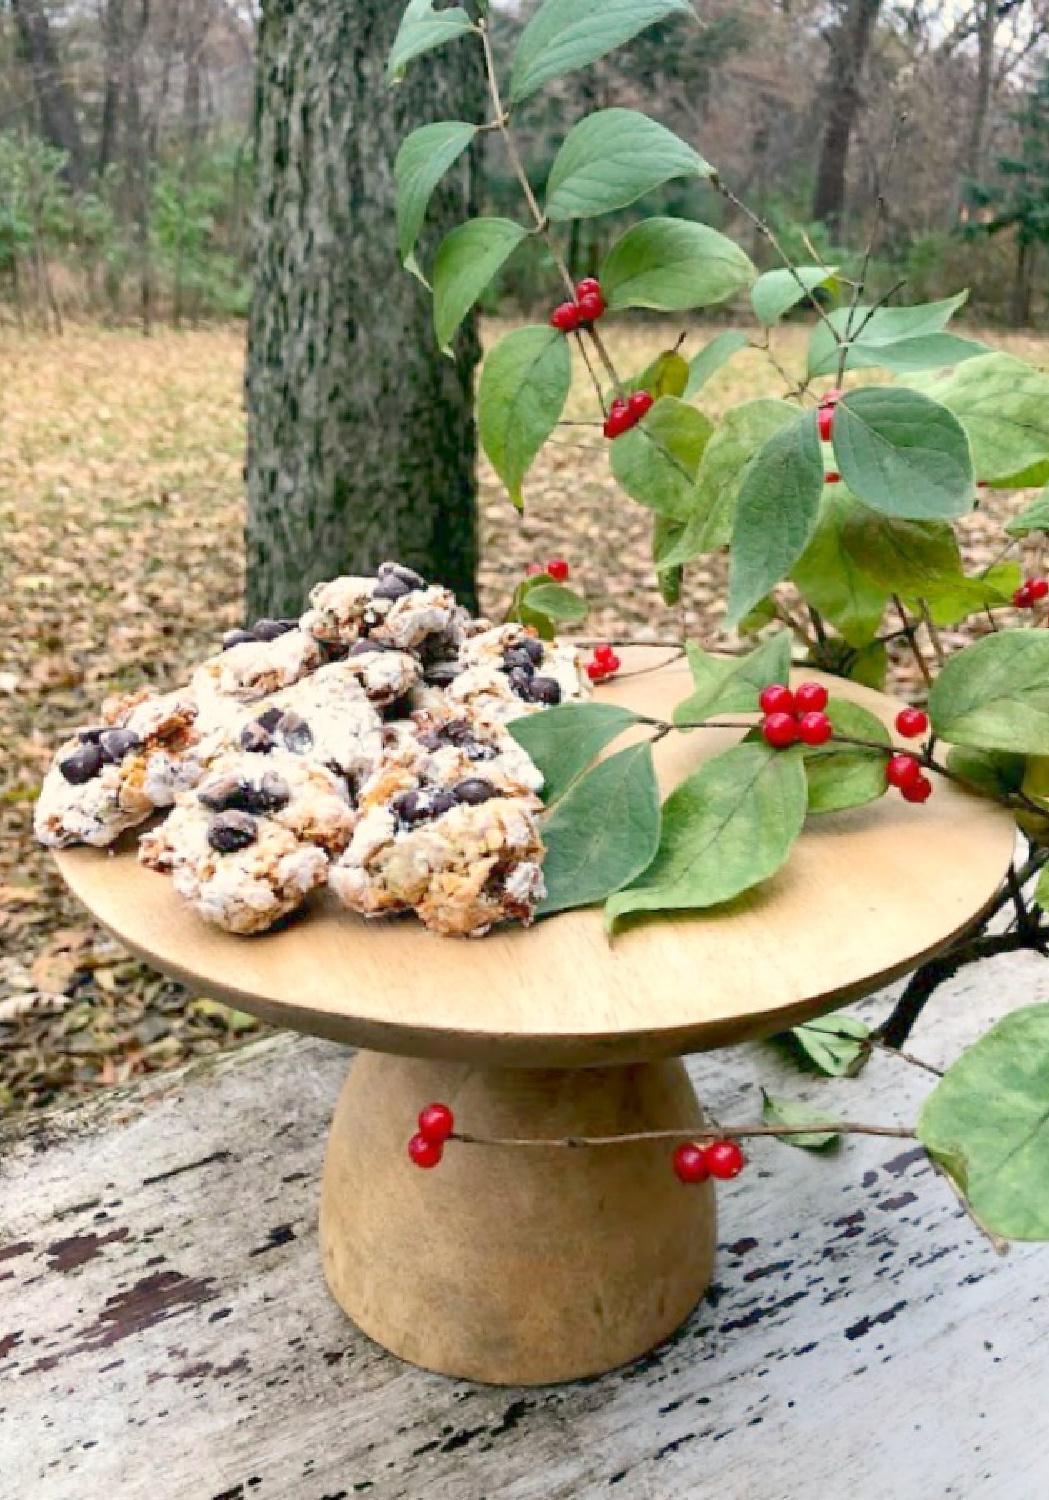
(269, 630)
(230, 831)
(534, 647)
(411, 807)
(82, 765)
(441, 802)
(91, 734)
(369, 647)
(473, 791)
(270, 719)
(333, 650)
(256, 739)
(442, 673)
(479, 752)
(517, 656)
(116, 743)
(267, 796)
(295, 733)
(521, 682)
(406, 575)
(391, 587)
(545, 690)
(236, 638)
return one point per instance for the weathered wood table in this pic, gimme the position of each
(528, 1267)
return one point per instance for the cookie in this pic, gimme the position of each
(328, 717)
(255, 669)
(397, 608)
(238, 871)
(298, 793)
(462, 868)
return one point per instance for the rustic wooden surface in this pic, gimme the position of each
(165, 1332)
(892, 882)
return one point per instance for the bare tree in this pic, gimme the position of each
(849, 43)
(58, 118)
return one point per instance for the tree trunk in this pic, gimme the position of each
(58, 122)
(849, 44)
(113, 42)
(361, 443)
(985, 29)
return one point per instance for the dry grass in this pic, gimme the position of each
(120, 549)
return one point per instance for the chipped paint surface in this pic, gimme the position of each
(165, 1331)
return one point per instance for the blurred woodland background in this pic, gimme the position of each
(126, 155)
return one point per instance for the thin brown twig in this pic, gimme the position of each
(912, 639)
(998, 1245)
(688, 1133)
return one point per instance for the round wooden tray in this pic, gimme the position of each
(865, 896)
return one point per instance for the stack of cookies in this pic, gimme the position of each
(363, 746)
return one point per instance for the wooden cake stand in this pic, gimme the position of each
(527, 1266)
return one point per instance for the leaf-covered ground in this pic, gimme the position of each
(121, 562)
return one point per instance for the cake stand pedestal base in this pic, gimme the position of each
(514, 1265)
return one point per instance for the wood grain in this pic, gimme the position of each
(865, 895)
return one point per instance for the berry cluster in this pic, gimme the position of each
(695, 1163)
(825, 417)
(604, 665)
(556, 567)
(1031, 593)
(797, 715)
(436, 1123)
(905, 773)
(625, 413)
(587, 307)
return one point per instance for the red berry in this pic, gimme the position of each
(911, 722)
(826, 420)
(639, 403)
(724, 1160)
(598, 669)
(604, 652)
(558, 569)
(588, 284)
(690, 1162)
(814, 729)
(832, 478)
(1023, 598)
(1038, 588)
(532, 570)
(565, 316)
(436, 1122)
(917, 791)
(618, 419)
(776, 699)
(810, 697)
(425, 1153)
(591, 306)
(902, 771)
(779, 730)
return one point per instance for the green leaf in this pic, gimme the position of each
(665, 532)
(776, 513)
(833, 576)
(421, 30)
(565, 35)
(903, 454)
(950, 599)
(734, 444)
(731, 684)
(776, 292)
(670, 264)
(728, 827)
(590, 854)
(467, 259)
(841, 776)
(994, 695)
(711, 357)
(834, 1043)
(996, 772)
(897, 338)
(787, 1112)
(613, 157)
(1034, 517)
(562, 741)
(906, 557)
(524, 384)
(1003, 404)
(656, 461)
(557, 603)
(422, 161)
(987, 1123)
(666, 375)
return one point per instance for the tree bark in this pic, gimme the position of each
(849, 45)
(113, 67)
(361, 442)
(986, 26)
(58, 121)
